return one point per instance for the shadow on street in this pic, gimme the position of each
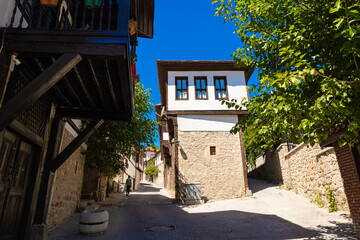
(146, 214)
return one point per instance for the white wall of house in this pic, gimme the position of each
(6, 12)
(206, 122)
(236, 87)
(158, 159)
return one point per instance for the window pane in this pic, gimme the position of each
(197, 84)
(223, 94)
(218, 94)
(184, 84)
(217, 86)
(178, 84)
(198, 95)
(203, 84)
(178, 94)
(184, 94)
(222, 82)
(203, 94)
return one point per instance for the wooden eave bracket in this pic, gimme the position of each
(71, 148)
(37, 88)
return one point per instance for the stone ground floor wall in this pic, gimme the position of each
(67, 185)
(221, 175)
(309, 171)
(94, 185)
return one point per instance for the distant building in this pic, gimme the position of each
(134, 168)
(195, 139)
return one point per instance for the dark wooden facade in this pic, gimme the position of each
(75, 64)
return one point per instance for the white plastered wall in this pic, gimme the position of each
(221, 123)
(236, 86)
(6, 12)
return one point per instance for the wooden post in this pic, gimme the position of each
(65, 154)
(42, 196)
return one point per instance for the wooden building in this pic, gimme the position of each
(68, 61)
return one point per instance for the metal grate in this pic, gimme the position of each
(34, 118)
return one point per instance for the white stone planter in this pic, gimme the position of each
(93, 222)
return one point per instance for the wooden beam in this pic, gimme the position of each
(57, 91)
(77, 113)
(42, 46)
(26, 132)
(96, 81)
(126, 84)
(73, 125)
(112, 92)
(208, 112)
(66, 153)
(83, 86)
(68, 86)
(37, 88)
(334, 137)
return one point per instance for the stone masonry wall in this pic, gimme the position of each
(67, 185)
(220, 175)
(306, 170)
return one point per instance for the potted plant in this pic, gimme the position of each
(93, 3)
(132, 27)
(50, 3)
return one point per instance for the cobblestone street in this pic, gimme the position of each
(271, 214)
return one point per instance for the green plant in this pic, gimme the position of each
(151, 169)
(318, 200)
(308, 57)
(331, 199)
(113, 140)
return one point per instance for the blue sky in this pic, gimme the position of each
(184, 30)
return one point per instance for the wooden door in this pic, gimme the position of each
(16, 157)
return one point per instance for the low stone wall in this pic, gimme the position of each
(309, 171)
(68, 183)
(220, 175)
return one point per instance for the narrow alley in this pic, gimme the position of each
(272, 213)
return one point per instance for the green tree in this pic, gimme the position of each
(151, 169)
(307, 54)
(115, 139)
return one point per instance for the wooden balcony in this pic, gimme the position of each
(99, 85)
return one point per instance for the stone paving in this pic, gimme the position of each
(271, 213)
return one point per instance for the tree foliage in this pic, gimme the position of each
(151, 169)
(307, 53)
(115, 139)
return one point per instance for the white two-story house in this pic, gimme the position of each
(196, 144)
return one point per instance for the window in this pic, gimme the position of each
(200, 88)
(212, 150)
(181, 88)
(220, 88)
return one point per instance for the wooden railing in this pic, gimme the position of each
(72, 15)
